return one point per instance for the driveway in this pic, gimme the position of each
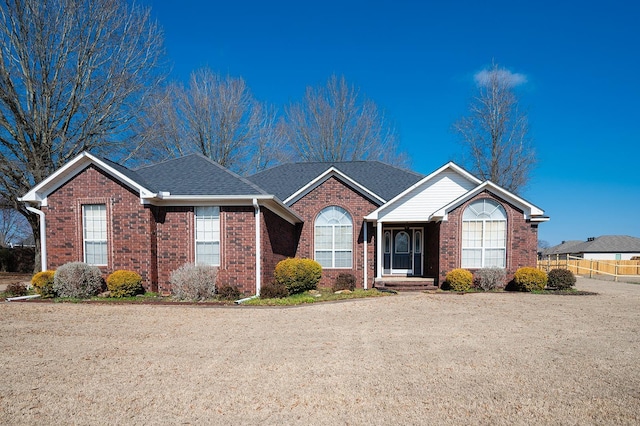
(407, 359)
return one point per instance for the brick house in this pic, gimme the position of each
(375, 221)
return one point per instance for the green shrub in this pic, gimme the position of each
(194, 282)
(124, 283)
(77, 279)
(228, 292)
(344, 282)
(42, 282)
(489, 278)
(459, 280)
(561, 279)
(16, 290)
(273, 290)
(298, 275)
(530, 279)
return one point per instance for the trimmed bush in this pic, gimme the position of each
(194, 282)
(16, 290)
(273, 290)
(42, 282)
(459, 279)
(124, 283)
(77, 279)
(228, 292)
(489, 278)
(344, 282)
(298, 275)
(530, 279)
(561, 279)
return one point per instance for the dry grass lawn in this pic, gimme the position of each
(407, 359)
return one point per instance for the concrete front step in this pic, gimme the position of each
(406, 283)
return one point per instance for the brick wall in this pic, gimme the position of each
(279, 240)
(175, 241)
(522, 238)
(333, 192)
(128, 224)
(237, 251)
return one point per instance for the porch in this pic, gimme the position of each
(408, 254)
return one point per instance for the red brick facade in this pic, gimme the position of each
(333, 192)
(129, 223)
(156, 240)
(522, 238)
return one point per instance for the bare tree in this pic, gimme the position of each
(216, 116)
(73, 75)
(336, 123)
(496, 133)
(14, 228)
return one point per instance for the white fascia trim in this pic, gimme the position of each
(269, 201)
(38, 194)
(374, 215)
(531, 212)
(331, 172)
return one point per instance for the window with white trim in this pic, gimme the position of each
(484, 235)
(334, 238)
(94, 234)
(207, 221)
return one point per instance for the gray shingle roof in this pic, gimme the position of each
(194, 174)
(131, 174)
(602, 244)
(611, 243)
(563, 248)
(382, 179)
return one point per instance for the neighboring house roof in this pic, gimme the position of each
(378, 178)
(602, 244)
(196, 174)
(566, 247)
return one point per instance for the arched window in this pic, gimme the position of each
(484, 235)
(334, 238)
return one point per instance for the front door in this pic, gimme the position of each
(401, 252)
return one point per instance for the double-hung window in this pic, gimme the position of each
(334, 238)
(94, 233)
(207, 221)
(484, 235)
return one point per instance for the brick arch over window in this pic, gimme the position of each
(484, 234)
(333, 229)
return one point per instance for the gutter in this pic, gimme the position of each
(43, 237)
(246, 299)
(256, 208)
(11, 299)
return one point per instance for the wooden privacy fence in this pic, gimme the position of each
(591, 267)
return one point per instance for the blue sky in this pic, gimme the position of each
(417, 61)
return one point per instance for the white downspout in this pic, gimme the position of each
(256, 208)
(379, 243)
(366, 263)
(43, 237)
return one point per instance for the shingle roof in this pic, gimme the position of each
(195, 174)
(131, 174)
(611, 243)
(563, 248)
(382, 179)
(602, 244)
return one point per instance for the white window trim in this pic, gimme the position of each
(216, 224)
(86, 240)
(333, 249)
(483, 248)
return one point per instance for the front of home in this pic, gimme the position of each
(365, 218)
